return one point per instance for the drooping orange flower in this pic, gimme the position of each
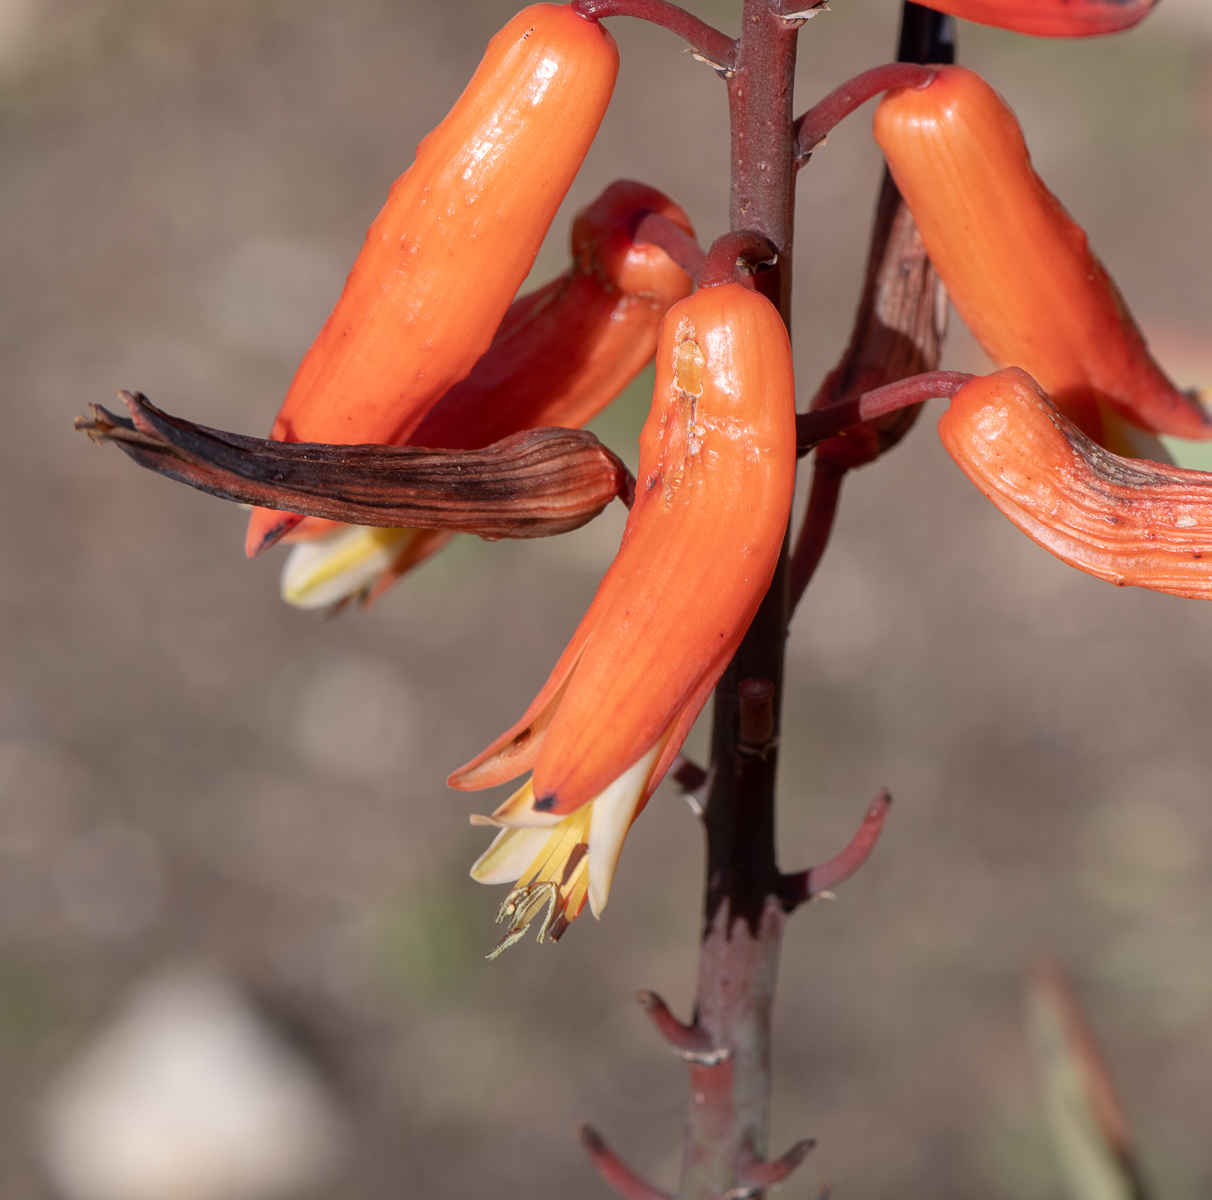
(1050, 18)
(1018, 268)
(458, 235)
(561, 355)
(1130, 522)
(717, 470)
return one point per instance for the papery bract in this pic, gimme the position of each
(456, 238)
(1017, 267)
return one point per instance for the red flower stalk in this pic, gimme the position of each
(1050, 18)
(717, 471)
(456, 238)
(560, 356)
(1016, 265)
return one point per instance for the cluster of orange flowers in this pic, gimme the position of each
(425, 348)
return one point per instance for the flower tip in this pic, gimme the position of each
(340, 566)
(265, 527)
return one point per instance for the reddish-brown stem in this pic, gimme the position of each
(687, 1041)
(743, 249)
(615, 1173)
(727, 1118)
(748, 899)
(818, 524)
(803, 885)
(677, 243)
(814, 427)
(815, 124)
(709, 43)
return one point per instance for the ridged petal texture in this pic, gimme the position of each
(1122, 519)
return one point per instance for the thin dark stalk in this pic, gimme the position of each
(814, 427)
(814, 534)
(677, 243)
(709, 43)
(927, 36)
(822, 117)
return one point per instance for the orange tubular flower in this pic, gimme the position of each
(1018, 268)
(717, 471)
(456, 238)
(1050, 18)
(1130, 522)
(561, 355)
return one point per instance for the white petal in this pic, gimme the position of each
(613, 811)
(518, 812)
(511, 852)
(321, 573)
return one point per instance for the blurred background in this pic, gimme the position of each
(224, 834)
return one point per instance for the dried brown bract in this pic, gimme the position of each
(533, 484)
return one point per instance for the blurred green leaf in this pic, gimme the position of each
(1087, 1123)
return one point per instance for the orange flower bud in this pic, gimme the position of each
(1050, 18)
(1018, 268)
(456, 238)
(561, 355)
(717, 471)
(1127, 521)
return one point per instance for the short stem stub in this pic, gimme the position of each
(817, 881)
(710, 44)
(688, 1042)
(615, 1173)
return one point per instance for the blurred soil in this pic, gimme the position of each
(191, 771)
